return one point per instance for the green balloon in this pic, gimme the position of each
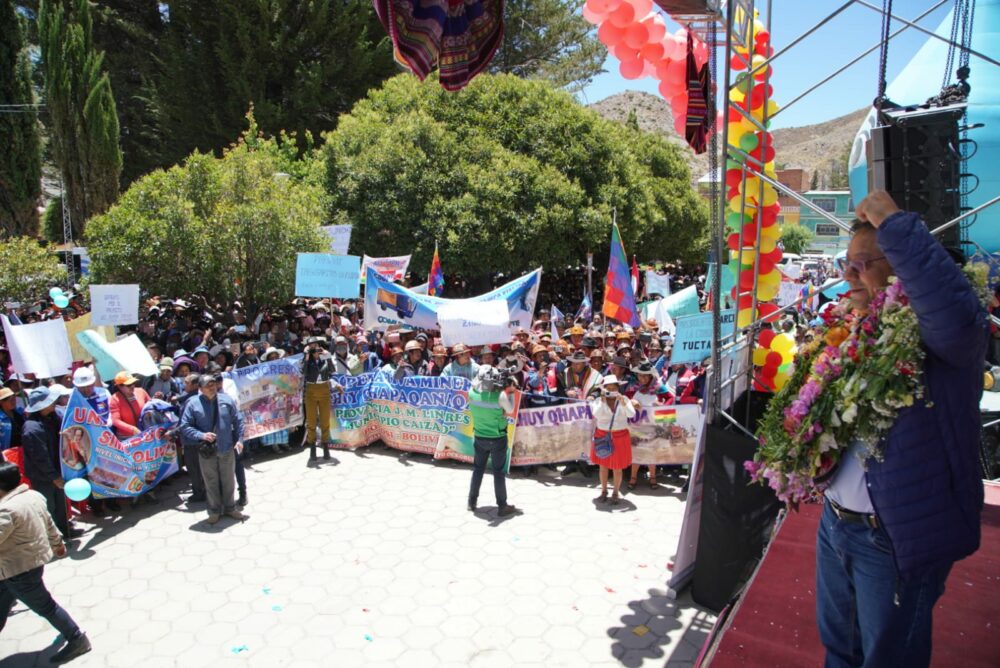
(735, 221)
(744, 83)
(749, 141)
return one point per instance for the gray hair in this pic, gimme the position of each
(205, 378)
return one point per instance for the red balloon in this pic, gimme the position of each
(769, 312)
(746, 279)
(732, 193)
(764, 265)
(774, 256)
(762, 36)
(733, 241)
(769, 214)
(765, 337)
(733, 177)
(737, 62)
(768, 371)
(758, 93)
(763, 49)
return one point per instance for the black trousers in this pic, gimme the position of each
(55, 499)
(496, 450)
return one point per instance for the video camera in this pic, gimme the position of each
(497, 380)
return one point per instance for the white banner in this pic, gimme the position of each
(789, 292)
(389, 268)
(114, 304)
(340, 238)
(474, 323)
(41, 348)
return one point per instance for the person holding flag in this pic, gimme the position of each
(435, 281)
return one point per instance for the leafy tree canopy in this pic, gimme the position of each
(796, 238)
(226, 228)
(29, 270)
(506, 175)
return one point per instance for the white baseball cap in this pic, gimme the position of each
(84, 376)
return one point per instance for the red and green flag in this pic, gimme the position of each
(619, 299)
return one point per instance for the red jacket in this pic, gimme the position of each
(125, 414)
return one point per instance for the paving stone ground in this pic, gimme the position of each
(373, 560)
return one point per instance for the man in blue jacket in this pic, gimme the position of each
(891, 530)
(213, 422)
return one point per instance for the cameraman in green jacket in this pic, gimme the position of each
(489, 398)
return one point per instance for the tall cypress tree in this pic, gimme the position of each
(20, 158)
(83, 120)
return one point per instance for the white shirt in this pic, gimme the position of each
(602, 414)
(849, 488)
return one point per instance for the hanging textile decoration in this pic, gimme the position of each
(458, 37)
(700, 108)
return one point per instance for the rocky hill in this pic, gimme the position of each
(810, 147)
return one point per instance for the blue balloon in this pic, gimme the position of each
(77, 489)
(62, 301)
(55, 292)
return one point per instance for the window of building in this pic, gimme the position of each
(827, 230)
(828, 204)
(850, 204)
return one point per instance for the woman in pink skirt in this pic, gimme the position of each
(611, 412)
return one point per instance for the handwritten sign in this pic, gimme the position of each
(340, 238)
(390, 268)
(114, 304)
(325, 275)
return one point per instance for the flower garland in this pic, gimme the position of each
(848, 385)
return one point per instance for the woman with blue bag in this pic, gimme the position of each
(612, 446)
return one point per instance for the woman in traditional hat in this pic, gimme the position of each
(612, 444)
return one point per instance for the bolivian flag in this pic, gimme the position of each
(665, 416)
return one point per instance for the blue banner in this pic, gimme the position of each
(389, 304)
(326, 275)
(269, 395)
(693, 340)
(115, 468)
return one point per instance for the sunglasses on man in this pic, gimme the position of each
(859, 266)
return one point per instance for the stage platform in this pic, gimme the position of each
(774, 623)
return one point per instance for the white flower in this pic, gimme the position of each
(850, 413)
(827, 442)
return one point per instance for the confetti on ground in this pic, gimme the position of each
(641, 630)
(642, 565)
(364, 609)
(266, 590)
(609, 590)
(276, 608)
(240, 649)
(368, 637)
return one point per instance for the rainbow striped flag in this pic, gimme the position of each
(619, 299)
(435, 282)
(665, 415)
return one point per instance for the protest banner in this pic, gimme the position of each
(115, 468)
(392, 269)
(388, 304)
(127, 354)
(657, 284)
(693, 340)
(269, 395)
(788, 292)
(418, 414)
(474, 323)
(325, 275)
(683, 302)
(792, 271)
(79, 324)
(340, 238)
(430, 415)
(114, 304)
(41, 348)
(660, 434)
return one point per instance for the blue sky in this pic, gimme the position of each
(839, 41)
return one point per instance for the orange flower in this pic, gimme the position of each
(835, 336)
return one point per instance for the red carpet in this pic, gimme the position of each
(775, 623)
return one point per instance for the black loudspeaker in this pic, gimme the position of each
(915, 155)
(736, 517)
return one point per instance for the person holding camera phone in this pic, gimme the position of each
(612, 444)
(490, 397)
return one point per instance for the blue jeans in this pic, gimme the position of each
(857, 589)
(486, 448)
(30, 590)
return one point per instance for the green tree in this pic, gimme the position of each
(301, 64)
(796, 238)
(226, 228)
(549, 39)
(21, 158)
(29, 270)
(52, 221)
(814, 182)
(83, 122)
(838, 169)
(129, 33)
(506, 175)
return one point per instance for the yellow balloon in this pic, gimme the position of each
(780, 379)
(772, 233)
(783, 343)
(766, 292)
(751, 186)
(746, 258)
(767, 245)
(735, 95)
(770, 278)
(734, 205)
(760, 356)
(747, 125)
(744, 317)
(772, 108)
(787, 357)
(736, 131)
(770, 195)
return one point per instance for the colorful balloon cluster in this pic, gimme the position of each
(753, 201)
(638, 37)
(773, 354)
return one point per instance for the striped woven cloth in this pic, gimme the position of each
(458, 37)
